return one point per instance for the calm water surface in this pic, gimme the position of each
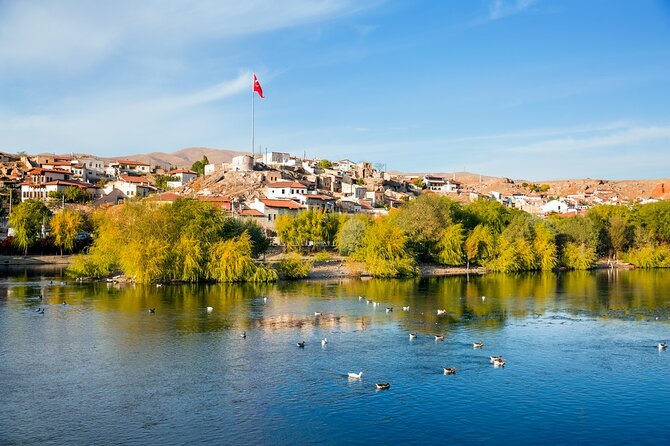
(582, 367)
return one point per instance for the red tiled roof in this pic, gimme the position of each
(131, 162)
(40, 171)
(166, 196)
(320, 197)
(182, 171)
(251, 213)
(71, 183)
(286, 204)
(286, 184)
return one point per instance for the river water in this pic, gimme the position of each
(582, 362)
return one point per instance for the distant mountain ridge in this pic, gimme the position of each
(184, 158)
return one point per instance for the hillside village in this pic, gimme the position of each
(263, 186)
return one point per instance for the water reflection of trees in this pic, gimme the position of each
(606, 294)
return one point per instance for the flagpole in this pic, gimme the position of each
(253, 123)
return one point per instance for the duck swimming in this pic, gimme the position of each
(412, 335)
(439, 337)
(301, 344)
(441, 312)
(389, 309)
(478, 344)
(405, 308)
(382, 386)
(243, 335)
(662, 346)
(449, 371)
(324, 341)
(353, 375)
(152, 311)
(210, 309)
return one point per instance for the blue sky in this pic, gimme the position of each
(536, 89)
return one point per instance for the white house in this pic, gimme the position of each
(183, 176)
(40, 191)
(441, 184)
(131, 186)
(354, 190)
(272, 208)
(558, 206)
(133, 166)
(285, 190)
(276, 158)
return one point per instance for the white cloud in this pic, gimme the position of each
(70, 34)
(499, 9)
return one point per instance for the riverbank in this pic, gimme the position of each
(338, 269)
(36, 260)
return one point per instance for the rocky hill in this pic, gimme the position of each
(184, 158)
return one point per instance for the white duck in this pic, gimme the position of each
(210, 309)
(662, 346)
(441, 312)
(405, 308)
(353, 375)
(324, 341)
(412, 336)
(478, 344)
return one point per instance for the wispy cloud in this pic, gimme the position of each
(70, 34)
(499, 9)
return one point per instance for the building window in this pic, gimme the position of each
(283, 191)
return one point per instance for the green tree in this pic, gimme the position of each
(350, 236)
(480, 244)
(325, 164)
(385, 251)
(450, 245)
(75, 195)
(65, 226)
(199, 166)
(26, 221)
(162, 180)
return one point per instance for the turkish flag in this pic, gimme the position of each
(257, 87)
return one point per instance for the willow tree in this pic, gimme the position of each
(385, 251)
(480, 244)
(188, 240)
(26, 221)
(65, 226)
(450, 245)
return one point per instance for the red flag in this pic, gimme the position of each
(257, 87)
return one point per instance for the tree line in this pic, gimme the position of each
(35, 226)
(436, 229)
(187, 240)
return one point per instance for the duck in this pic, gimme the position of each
(40, 311)
(478, 344)
(412, 336)
(368, 302)
(375, 304)
(439, 337)
(496, 358)
(243, 335)
(152, 311)
(360, 297)
(210, 309)
(389, 310)
(317, 313)
(353, 375)
(499, 363)
(63, 303)
(405, 308)
(382, 386)
(662, 346)
(441, 312)
(483, 298)
(449, 371)
(158, 285)
(265, 300)
(324, 341)
(301, 344)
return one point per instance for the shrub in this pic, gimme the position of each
(292, 266)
